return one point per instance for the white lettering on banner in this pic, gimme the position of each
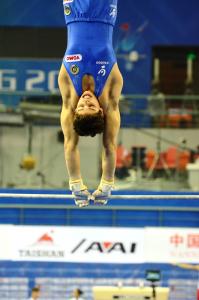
(38, 78)
(7, 80)
(52, 81)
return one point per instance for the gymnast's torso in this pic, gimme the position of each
(89, 48)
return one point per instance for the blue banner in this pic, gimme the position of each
(141, 24)
(37, 76)
(29, 75)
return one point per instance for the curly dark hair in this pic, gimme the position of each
(91, 124)
(36, 289)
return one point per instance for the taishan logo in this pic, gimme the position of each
(45, 239)
(104, 247)
(43, 247)
(73, 58)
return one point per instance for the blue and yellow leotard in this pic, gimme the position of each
(89, 48)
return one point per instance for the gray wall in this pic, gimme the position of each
(50, 155)
(148, 137)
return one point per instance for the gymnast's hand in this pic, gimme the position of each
(81, 198)
(80, 193)
(103, 192)
(99, 197)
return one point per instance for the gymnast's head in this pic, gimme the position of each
(89, 116)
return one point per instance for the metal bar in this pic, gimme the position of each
(36, 196)
(105, 207)
(69, 196)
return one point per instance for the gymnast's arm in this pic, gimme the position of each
(112, 125)
(71, 150)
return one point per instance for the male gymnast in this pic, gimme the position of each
(90, 84)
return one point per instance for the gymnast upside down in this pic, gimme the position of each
(90, 84)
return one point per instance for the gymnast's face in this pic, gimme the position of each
(88, 104)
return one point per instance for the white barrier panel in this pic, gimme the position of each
(73, 244)
(6, 241)
(167, 245)
(99, 244)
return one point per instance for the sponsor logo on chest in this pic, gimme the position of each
(113, 11)
(73, 58)
(101, 62)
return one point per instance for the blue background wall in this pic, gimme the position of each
(141, 24)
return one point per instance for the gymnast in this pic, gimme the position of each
(90, 84)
